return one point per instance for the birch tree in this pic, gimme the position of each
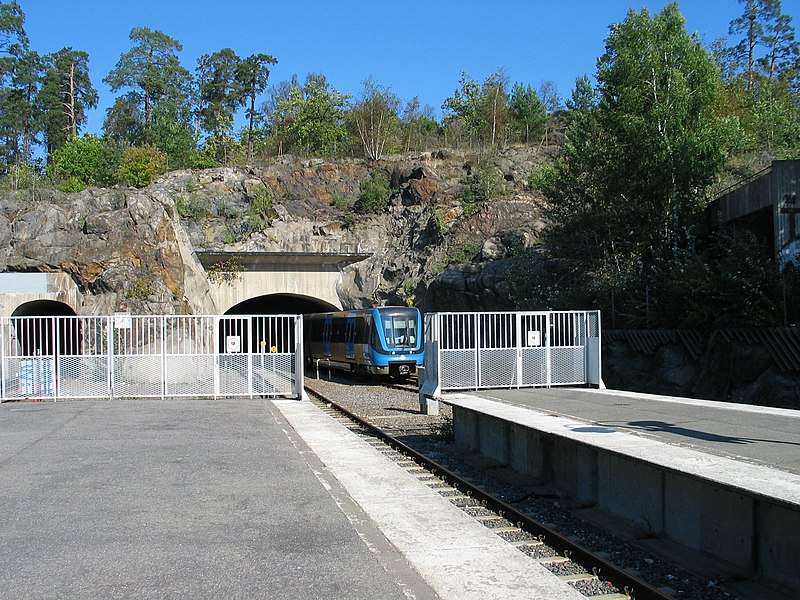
(375, 118)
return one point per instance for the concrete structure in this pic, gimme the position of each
(743, 514)
(301, 280)
(20, 289)
(236, 277)
(766, 203)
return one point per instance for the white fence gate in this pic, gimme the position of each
(142, 356)
(510, 350)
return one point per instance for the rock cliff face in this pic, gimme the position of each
(129, 249)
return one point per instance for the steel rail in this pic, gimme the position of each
(636, 588)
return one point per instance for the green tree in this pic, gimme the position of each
(172, 133)
(782, 50)
(140, 166)
(251, 77)
(152, 71)
(482, 109)
(420, 130)
(766, 43)
(375, 118)
(527, 113)
(65, 95)
(375, 193)
(218, 92)
(750, 24)
(310, 119)
(583, 98)
(20, 113)
(659, 89)
(12, 35)
(630, 184)
(77, 163)
(124, 120)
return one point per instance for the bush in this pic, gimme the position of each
(484, 183)
(375, 194)
(262, 210)
(140, 166)
(76, 164)
(543, 178)
(20, 177)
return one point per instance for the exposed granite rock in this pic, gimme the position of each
(130, 249)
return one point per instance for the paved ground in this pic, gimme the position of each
(179, 499)
(761, 435)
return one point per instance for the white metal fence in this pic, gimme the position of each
(510, 350)
(59, 357)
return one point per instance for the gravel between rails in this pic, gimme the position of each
(397, 410)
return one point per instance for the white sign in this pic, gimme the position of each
(233, 343)
(122, 320)
(534, 338)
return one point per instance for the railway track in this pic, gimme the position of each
(588, 572)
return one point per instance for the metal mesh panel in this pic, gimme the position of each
(29, 345)
(513, 349)
(534, 366)
(83, 376)
(189, 375)
(568, 366)
(273, 374)
(83, 357)
(498, 368)
(35, 377)
(137, 376)
(234, 375)
(149, 356)
(457, 369)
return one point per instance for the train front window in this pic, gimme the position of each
(399, 331)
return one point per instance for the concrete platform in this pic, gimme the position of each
(719, 478)
(756, 434)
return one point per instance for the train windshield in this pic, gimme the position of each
(399, 331)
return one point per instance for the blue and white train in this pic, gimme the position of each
(377, 341)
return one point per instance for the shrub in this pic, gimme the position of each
(262, 209)
(139, 290)
(140, 166)
(542, 179)
(20, 177)
(484, 183)
(375, 194)
(194, 207)
(76, 164)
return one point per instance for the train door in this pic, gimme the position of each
(327, 326)
(350, 338)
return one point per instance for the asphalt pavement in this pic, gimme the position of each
(179, 499)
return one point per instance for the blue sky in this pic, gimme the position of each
(413, 47)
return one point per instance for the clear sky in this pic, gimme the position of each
(413, 47)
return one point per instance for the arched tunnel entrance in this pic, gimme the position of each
(280, 304)
(257, 325)
(34, 328)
